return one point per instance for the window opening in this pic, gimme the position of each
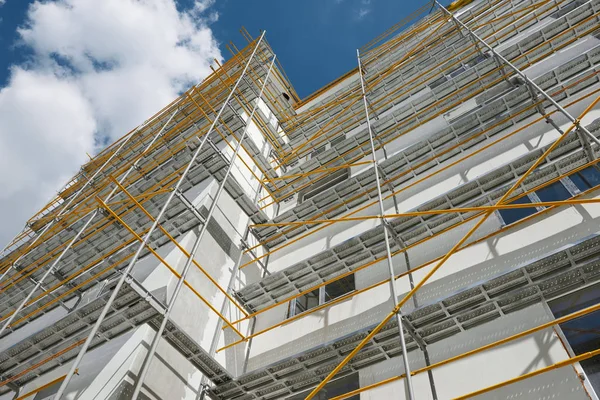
(322, 295)
(553, 192)
(511, 215)
(586, 178)
(583, 333)
(323, 185)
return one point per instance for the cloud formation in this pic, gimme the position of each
(365, 9)
(97, 69)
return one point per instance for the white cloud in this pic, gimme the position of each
(363, 12)
(365, 9)
(98, 69)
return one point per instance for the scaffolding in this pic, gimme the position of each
(342, 156)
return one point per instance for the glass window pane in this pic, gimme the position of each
(553, 192)
(583, 333)
(579, 182)
(339, 287)
(591, 175)
(586, 178)
(515, 214)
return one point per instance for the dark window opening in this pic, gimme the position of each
(479, 58)
(337, 139)
(322, 295)
(334, 388)
(583, 333)
(553, 192)
(510, 215)
(323, 184)
(307, 301)
(285, 96)
(457, 71)
(586, 178)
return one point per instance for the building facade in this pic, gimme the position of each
(424, 227)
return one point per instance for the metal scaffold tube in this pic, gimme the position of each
(145, 241)
(394, 295)
(530, 83)
(561, 320)
(158, 335)
(480, 154)
(430, 212)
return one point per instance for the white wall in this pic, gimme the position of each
(487, 368)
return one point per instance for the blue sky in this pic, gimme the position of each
(315, 40)
(77, 74)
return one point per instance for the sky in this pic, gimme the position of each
(77, 74)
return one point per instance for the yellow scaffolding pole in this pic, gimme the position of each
(527, 332)
(176, 243)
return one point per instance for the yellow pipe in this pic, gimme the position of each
(412, 270)
(47, 385)
(528, 375)
(437, 212)
(405, 187)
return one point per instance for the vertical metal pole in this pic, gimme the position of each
(76, 195)
(528, 81)
(148, 358)
(409, 386)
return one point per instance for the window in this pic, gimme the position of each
(323, 184)
(322, 295)
(286, 96)
(553, 192)
(583, 333)
(457, 71)
(510, 215)
(479, 58)
(334, 388)
(586, 178)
